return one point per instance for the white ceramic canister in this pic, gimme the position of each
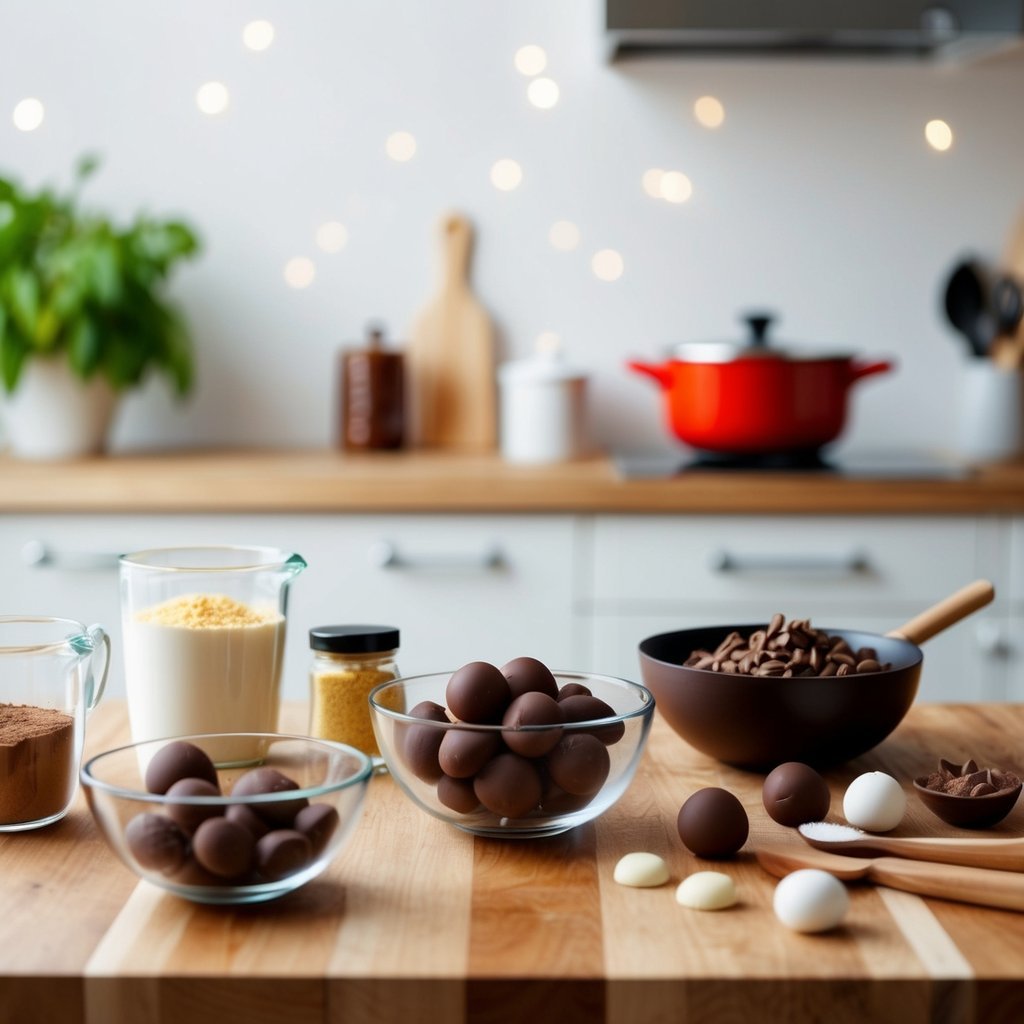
(543, 408)
(991, 420)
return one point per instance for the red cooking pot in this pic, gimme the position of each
(752, 399)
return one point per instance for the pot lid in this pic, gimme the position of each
(755, 347)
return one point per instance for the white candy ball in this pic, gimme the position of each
(706, 890)
(810, 901)
(874, 802)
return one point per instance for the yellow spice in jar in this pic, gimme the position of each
(204, 611)
(341, 708)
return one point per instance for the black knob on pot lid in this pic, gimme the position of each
(759, 324)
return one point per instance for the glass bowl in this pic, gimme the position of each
(403, 739)
(164, 830)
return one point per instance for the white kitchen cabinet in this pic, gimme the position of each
(654, 574)
(577, 591)
(460, 588)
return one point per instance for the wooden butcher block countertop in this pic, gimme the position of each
(328, 481)
(417, 921)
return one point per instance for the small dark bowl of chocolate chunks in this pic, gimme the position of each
(966, 796)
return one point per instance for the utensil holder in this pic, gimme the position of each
(991, 415)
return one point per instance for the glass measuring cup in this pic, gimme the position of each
(204, 634)
(47, 685)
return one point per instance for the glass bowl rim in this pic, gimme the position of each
(646, 707)
(365, 771)
(265, 557)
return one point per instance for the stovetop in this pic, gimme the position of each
(881, 464)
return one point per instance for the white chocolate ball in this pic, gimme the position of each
(874, 802)
(810, 900)
(706, 890)
(641, 870)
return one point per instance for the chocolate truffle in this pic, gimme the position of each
(509, 786)
(712, 823)
(281, 853)
(223, 847)
(191, 816)
(573, 690)
(579, 764)
(581, 708)
(531, 709)
(270, 780)
(528, 675)
(478, 693)
(244, 815)
(419, 744)
(317, 823)
(463, 753)
(176, 761)
(794, 794)
(457, 794)
(156, 842)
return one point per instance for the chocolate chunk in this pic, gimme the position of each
(535, 709)
(478, 693)
(712, 823)
(579, 764)
(509, 785)
(190, 816)
(585, 709)
(463, 753)
(794, 793)
(244, 815)
(457, 794)
(528, 675)
(317, 823)
(419, 744)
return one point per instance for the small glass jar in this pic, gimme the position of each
(348, 662)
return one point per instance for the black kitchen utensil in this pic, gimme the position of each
(967, 302)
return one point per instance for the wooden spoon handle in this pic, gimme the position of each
(944, 614)
(1000, 854)
(1002, 889)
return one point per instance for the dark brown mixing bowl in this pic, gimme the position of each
(758, 722)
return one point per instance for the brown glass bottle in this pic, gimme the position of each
(372, 396)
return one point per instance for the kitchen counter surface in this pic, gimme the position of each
(417, 921)
(327, 481)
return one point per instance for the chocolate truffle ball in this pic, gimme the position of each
(191, 816)
(270, 780)
(509, 786)
(457, 794)
(581, 708)
(794, 793)
(478, 693)
(176, 761)
(156, 842)
(281, 853)
(528, 675)
(244, 815)
(531, 709)
(419, 744)
(224, 848)
(712, 823)
(573, 690)
(317, 823)
(579, 764)
(463, 753)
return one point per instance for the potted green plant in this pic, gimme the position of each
(83, 316)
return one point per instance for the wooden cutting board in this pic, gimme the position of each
(418, 922)
(451, 356)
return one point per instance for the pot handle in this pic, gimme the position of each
(662, 374)
(858, 370)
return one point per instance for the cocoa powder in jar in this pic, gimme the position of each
(37, 762)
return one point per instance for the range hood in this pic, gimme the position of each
(955, 29)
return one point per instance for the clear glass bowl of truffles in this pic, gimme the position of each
(515, 751)
(228, 833)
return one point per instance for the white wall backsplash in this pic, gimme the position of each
(818, 197)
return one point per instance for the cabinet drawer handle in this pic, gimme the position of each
(36, 554)
(386, 555)
(850, 562)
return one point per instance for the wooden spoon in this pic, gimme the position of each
(1000, 854)
(944, 614)
(981, 886)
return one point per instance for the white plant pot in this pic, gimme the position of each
(52, 414)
